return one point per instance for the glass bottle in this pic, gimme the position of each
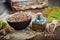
(39, 23)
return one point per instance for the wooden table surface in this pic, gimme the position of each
(41, 36)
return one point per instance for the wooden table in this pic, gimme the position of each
(26, 34)
(28, 31)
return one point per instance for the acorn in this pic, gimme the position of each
(3, 32)
(9, 30)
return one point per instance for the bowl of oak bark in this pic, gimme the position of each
(19, 20)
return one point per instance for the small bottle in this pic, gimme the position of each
(39, 23)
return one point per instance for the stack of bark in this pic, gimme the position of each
(31, 4)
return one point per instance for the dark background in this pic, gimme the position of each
(54, 2)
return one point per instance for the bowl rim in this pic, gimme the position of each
(18, 22)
